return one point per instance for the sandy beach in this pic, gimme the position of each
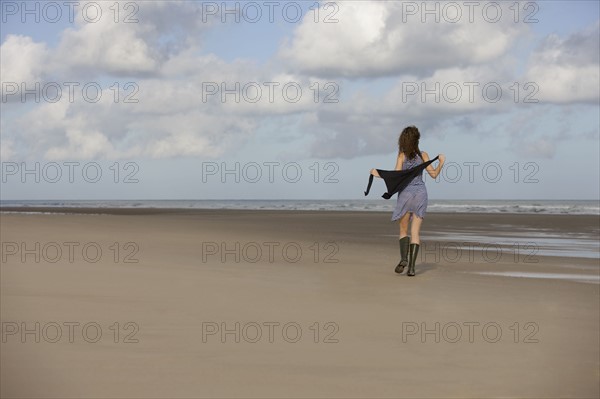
(208, 304)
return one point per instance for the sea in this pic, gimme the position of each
(550, 207)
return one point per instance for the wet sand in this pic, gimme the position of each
(205, 303)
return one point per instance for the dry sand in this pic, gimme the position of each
(520, 337)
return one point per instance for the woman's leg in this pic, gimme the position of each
(414, 244)
(404, 224)
(415, 228)
(404, 243)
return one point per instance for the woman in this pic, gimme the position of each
(412, 201)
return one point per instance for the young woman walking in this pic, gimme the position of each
(412, 200)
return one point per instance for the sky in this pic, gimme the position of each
(297, 100)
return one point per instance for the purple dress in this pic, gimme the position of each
(414, 197)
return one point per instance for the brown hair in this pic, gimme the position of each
(408, 142)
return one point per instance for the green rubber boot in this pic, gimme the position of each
(404, 242)
(412, 258)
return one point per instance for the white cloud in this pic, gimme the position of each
(22, 61)
(382, 38)
(154, 32)
(107, 47)
(7, 151)
(81, 144)
(567, 69)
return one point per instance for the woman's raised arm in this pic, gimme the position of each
(434, 172)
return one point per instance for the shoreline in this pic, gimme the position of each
(158, 210)
(589, 224)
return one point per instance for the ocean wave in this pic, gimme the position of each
(566, 207)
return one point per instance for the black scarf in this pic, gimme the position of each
(397, 180)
